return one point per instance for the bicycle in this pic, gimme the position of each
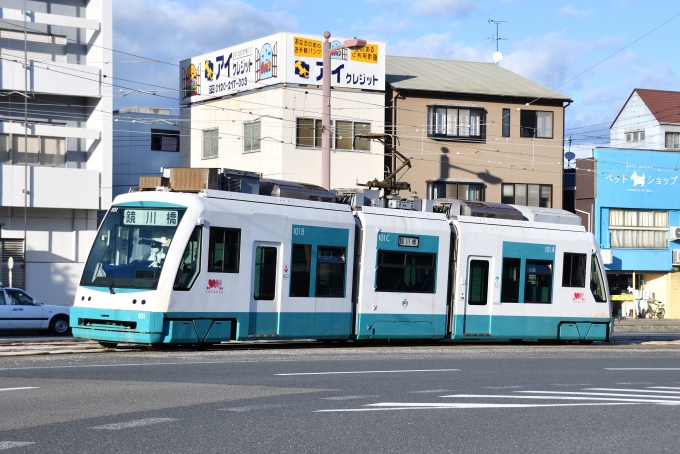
(655, 309)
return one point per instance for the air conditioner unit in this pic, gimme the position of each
(675, 233)
(676, 257)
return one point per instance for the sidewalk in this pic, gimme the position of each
(646, 325)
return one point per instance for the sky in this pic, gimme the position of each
(596, 53)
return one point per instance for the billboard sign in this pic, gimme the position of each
(281, 58)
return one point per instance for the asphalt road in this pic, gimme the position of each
(303, 398)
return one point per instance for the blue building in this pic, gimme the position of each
(144, 140)
(630, 200)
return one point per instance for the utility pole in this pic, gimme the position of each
(25, 135)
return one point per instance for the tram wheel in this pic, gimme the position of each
(515, 341)
(585, 342)
(108, 344)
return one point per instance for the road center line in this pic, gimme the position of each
(17, 389)
(670, 398)
(131, 424)
(371, 372)
(642, 368)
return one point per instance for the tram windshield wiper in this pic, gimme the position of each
(101, 267)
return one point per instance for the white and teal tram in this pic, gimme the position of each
(183, 268)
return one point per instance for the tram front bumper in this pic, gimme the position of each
(114, 325)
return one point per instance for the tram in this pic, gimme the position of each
(306, 263)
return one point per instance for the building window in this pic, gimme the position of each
(506, 122)
(673, 140)
(405, 272)
(635, 136)
(40, 47)
(309, 132)
(224, 250)
(449, 190)
(638, 229)
(210, 143)
(164, 140)
(251, 136)
(456, 123)
(42, 151)
(536, 123)
(533, 195)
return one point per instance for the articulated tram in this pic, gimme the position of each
(215, 266)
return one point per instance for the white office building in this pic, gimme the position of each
(63, 165)
(257, 106)
(145, 139)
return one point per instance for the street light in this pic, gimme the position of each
(351, 44)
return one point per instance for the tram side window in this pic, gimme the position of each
(478, 285)
(224, 250)
(405, 272)
(574, 272)
(538, 282)
(330, 272)
(300, 269)
(596, 281)
(510, 282)
(190, 265)
(265, 273)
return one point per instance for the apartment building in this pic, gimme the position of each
(475, 131)
(55, 169)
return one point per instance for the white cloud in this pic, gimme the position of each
(436, 7)
(571, 12)
(171, 31)
(438, 45)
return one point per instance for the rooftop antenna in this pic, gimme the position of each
(497, 56)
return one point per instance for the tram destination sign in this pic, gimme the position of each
(408, 241)
(162, 218)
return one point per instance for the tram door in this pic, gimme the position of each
(478, 305)
(265, 297)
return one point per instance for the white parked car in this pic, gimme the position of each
(19, 311)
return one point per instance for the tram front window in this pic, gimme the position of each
(130, 248)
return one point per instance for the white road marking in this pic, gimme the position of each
(661, 387)
(16, 389)
(371, 372)
(432, 391)
(669, 398)
(388, 406)
(253, 407)
(633, 390)
(14, 444)
(502, 387)
(642, 368)
(131, 424)
(610, 399)
(633, 383)
(348, 397)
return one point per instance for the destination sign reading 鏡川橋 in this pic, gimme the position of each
(164, 218)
